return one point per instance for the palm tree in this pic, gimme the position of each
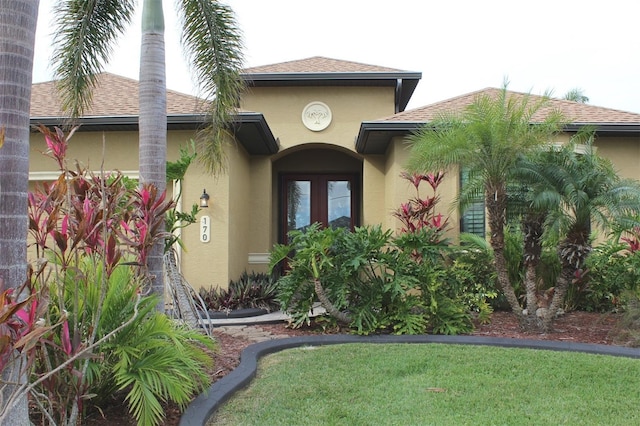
(85, 32)
(486, 139)
(576, 188)
(17, 40)
(576, 95)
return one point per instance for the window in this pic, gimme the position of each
(473, 218)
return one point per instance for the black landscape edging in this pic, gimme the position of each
(203, 407)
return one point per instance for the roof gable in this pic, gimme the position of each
(321, 71)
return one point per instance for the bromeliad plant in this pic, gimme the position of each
(251, 290)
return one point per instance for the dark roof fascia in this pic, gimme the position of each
(253, 132)
(617, 129)
(122, 123)
(374, 137)
(251, 129)
(404, 82)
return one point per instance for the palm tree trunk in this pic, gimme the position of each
(533, 228)
(573, 252)
(153, 123)
(496, 202)
(562, 285)
(18, 19)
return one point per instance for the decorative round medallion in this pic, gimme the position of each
(316, 116)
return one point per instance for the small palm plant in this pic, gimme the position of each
(576, 190)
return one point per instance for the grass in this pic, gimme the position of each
(435, 384)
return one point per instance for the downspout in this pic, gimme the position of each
(398, 95)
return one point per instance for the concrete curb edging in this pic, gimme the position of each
(203, 407)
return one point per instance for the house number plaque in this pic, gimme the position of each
(205, 229)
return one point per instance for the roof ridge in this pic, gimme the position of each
(318, 65)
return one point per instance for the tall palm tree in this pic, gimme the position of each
(576, 189)
(85, 33)
(17, 40)
(486, 139)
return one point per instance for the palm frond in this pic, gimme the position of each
(213, 44)
(85, 32)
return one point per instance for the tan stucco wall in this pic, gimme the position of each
(120, 150)
(624, 153)
(244, 209)
(261, 230)
(282, 108)
(224, 257)
(401, 191)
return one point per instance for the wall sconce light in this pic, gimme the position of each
(204, 199)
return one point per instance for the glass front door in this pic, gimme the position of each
(327, 199)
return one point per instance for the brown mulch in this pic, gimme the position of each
(580, 327)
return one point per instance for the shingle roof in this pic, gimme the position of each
(575, 112)
(318, 64)
(374, 136)
(114, 95)
(321, 71)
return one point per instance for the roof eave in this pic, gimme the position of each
(250, 129)
(253, 132)
(330, 76)
(618, 129)
(405, 83)
(374, 137)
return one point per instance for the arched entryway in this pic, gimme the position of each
(317, 185)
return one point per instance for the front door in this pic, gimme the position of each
(325, 198)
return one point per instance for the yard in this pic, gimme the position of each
(436, 384)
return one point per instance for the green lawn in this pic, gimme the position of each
(435, 384)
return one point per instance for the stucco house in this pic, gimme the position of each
(317, 139)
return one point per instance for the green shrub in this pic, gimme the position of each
(472, 276)
(373, 278)
(152, 359)
(611, 270)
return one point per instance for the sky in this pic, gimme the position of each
(459, 46)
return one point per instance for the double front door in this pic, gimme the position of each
(325, 198)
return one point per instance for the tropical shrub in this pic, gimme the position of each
(471, 275)
(372, 280)
(612, 269)
(254, 290)
(86, 329)
(368, 280)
